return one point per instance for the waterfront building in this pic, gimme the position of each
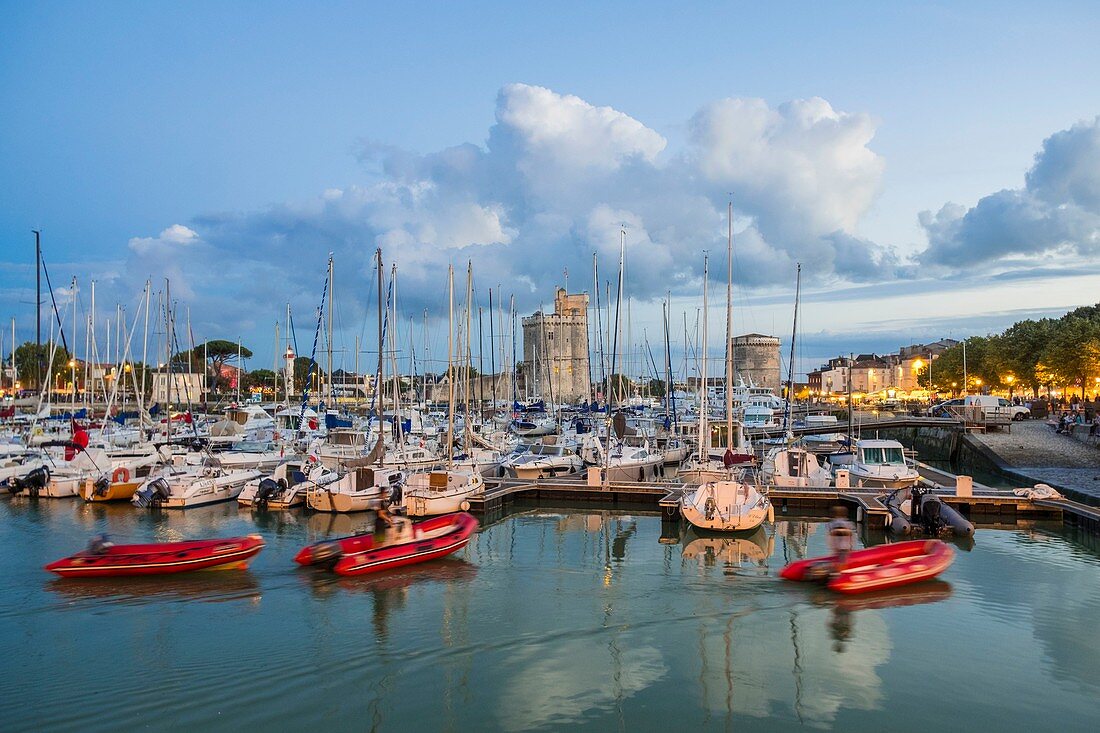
(178, 388)
(555, 350)
(756, 360)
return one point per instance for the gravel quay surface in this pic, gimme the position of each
(1034, 449)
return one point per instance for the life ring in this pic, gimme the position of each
(120, 475)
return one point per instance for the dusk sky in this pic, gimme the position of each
(935, 168)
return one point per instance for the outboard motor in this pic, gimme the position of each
(154, 493)
(930, 515)
(269, 488)
(35, 480)
(326, 553)
(99, 488)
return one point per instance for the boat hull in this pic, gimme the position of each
(167, 558)
(360, 555)
(878, 568)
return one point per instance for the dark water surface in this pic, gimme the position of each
(549, 620)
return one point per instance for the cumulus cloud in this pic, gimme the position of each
(554, 181)
(1057, 212)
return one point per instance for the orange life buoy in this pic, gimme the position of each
(120, 475)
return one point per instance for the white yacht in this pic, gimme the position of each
(543, 460)
(182, 487)
(877, 464)
(361, 488)
(286, 486)
(441, 492)
(792, 466)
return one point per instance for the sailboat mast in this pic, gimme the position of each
(450, 373)
(378, 391)
(492, 356)
(794, 335)
(704, 436)
(468, 356)
(331, 300)
(37, 310)
(729, 326)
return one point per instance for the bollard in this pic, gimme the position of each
(842, 481)
(964, 486)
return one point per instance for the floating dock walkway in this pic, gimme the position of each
(982, 503)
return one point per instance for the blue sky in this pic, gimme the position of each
(273, 133)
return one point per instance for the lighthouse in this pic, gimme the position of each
(289, 357)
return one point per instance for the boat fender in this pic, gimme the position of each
(771, 513)
(464, 506)
(120, 475)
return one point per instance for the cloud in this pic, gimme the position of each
(554, 181)
(1056, 214)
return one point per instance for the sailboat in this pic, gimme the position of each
(727, 506)
(789, 464)
(448, 490)
(709, 466)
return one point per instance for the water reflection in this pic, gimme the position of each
(548, 620)
(204, 587)
(743, 553)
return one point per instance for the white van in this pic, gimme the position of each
(997, 406)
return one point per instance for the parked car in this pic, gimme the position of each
(941, 409)
(992, 405)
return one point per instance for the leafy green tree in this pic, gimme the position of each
(33, 359)
(262, 378)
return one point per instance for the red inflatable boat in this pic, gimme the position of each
(884, 566)
(423, 541)
(162, 558)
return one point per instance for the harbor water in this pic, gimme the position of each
(549, 620)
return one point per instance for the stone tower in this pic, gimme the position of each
(555, 350)
(756, 360)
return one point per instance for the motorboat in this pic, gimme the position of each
(62, 479)
(877, 464)
(626, 460)
(441, 492)
(342, 445)
(484, 461)
(408, 543)
(104, 559)
(122, 477)
(243, 422)
(876, 568)
(361, 488)
(182, 487)
(726, 506)
(532, 425)
(822, 442)
(760, 417)
(793, 466)
(286, 486)
(543, 460)
(674, 450)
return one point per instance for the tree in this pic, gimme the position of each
(656, 387)
(30, 358)
(301, 374)
(262, 378)
(219, 351)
